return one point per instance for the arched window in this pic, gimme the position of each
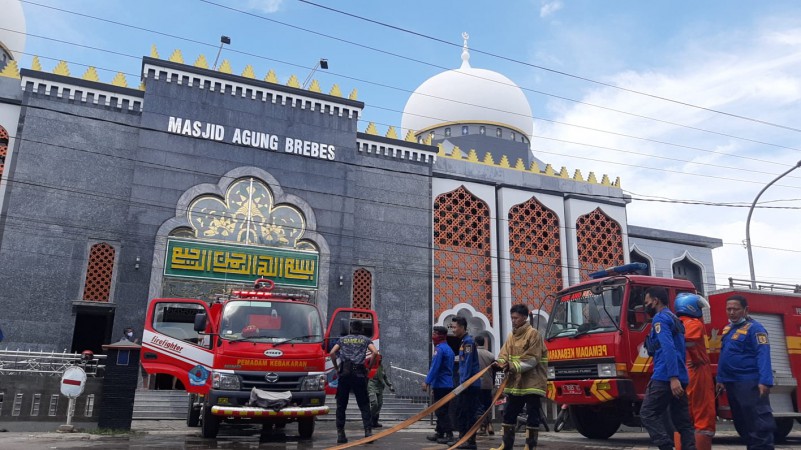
(688, 270)
(99, 273)
(637, 257)
(362, 289)
(462, 254)
(465, 129)
(600, 242)
(535, 254)
(447, 132)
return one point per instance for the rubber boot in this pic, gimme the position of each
(531, 438)
(703, 442)
(470, 444)
(508, 438)
(341, 438)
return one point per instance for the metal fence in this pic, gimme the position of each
(765, 286)
(408, 384)
(16, 362)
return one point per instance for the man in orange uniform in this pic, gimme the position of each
(701, 390)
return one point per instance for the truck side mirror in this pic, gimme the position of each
(200, 322)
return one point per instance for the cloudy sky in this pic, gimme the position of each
(686, 103)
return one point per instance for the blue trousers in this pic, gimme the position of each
(658, 400)
(752, 414)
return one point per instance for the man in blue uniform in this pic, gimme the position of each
(467, 401)
(665, 391)
(440, 380)
(744, 371)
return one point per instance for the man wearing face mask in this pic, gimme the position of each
(665, 391)
(440, 380)
(745, 372)
(128, 335)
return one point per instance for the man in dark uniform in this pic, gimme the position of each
(665, 391)
(352, 350)
(468, 400)
(745, 372)
(440, 380)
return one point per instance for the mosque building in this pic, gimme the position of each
(110, 190)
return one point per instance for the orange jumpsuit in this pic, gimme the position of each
(701, 390)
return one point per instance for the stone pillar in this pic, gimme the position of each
(119, 385)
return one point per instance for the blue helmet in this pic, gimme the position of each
(688, 304)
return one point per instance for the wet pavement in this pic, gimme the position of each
(176, 435)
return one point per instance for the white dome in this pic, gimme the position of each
(468, 95)
(12, 18)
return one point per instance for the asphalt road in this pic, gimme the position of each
(175, 435)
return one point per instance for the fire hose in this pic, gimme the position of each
(441, 402)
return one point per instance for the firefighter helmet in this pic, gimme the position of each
(688, 304)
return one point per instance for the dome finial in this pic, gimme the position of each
(465, 53)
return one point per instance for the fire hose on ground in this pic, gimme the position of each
(441, 402)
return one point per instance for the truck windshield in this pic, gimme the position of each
(274, 322)
(581, 312)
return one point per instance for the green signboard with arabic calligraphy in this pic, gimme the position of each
(230, 262)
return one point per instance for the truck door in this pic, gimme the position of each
(339, 326)
(171, 346)
(640, 364)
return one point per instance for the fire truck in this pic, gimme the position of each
(597, 363)
(254, 356)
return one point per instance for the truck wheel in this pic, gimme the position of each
(193, 414)
(783, 427)
(210, 423)
(306, 428)
(595, 423)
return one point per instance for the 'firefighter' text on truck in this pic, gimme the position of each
(255, 356)
(598, 365)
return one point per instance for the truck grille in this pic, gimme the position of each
(576, 372)
(286, 381)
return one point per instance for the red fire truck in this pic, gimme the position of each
(598, 365)
(245, 349)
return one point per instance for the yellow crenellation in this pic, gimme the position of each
(335, 91)
(119, 80)
(10, 70)
(36, 64)
(410, 137)
(315, 86)
(456, 153)
(154, 53)
(249, 72)
(504, 162)
(371, 129)
(177, 56)
(472, 156)
(225, 67)
(62, 69)
(90, 74)
(354, 94)
(201, 62)
(391, 133)
(293, 82)
(271, 77)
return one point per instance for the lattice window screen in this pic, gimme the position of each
(3, 149)
(99, 273)
(362, 289)
(535, 252)
(600, 242)
(462, 258)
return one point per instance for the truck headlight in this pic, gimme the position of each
(551, 372)
(607, 370)
(227, 381)
(314, 382)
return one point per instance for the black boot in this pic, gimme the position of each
(435, 437)
(375, 422)
(341, 438)
(368, 432)
(447, 439)
(470, 444)
(531, 438)
(508, 438)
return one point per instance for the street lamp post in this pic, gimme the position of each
(748, 223)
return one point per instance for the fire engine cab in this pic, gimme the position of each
(255, 356)
(597, 363)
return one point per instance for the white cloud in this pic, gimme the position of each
(549, 8)
(266, 6)
(754, 75)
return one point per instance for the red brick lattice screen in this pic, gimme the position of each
(362, 289)
(462, 262)
(3, 149)
(535, 253)
(98, 273)
(600, 243)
